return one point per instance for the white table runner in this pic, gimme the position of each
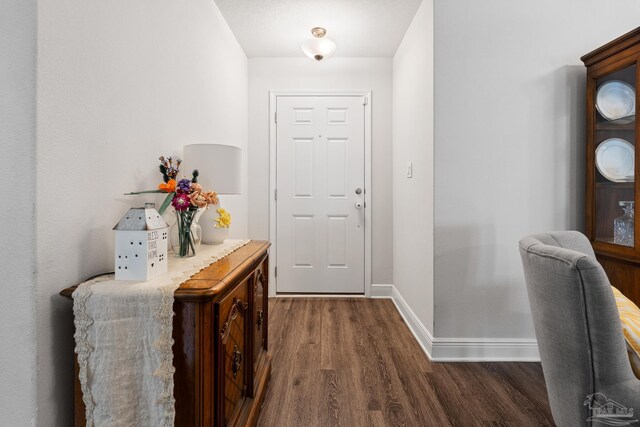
(124, 339)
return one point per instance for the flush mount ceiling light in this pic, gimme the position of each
(319, 47)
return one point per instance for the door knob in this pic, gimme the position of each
(358, 204)
(358, 190)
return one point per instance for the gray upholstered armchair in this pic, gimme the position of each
(583, 351)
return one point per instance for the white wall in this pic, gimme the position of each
(17, 217)
(267, 74)
(413, 142)
(120, 83)
(509, 146)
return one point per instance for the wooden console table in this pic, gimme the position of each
(220, 352)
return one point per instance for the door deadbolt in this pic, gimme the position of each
(358, 190)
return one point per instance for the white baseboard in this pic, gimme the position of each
(485, 350)
(417, 328)
(288, 295)
(382, 291)
(459, 349)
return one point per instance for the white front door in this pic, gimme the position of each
(320, 178)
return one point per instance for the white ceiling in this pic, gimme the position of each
(360, 28)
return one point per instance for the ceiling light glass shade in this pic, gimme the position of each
(319, 48)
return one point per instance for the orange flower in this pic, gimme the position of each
(169, 187)
(198, 199)
(212, 198)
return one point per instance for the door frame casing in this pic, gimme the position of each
(273, 99)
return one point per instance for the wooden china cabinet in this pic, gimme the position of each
(613, 78)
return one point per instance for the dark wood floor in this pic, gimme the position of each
(353, 362)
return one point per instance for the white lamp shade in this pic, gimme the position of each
(319, 48)
(219, 166)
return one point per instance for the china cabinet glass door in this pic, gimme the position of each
(614, 142)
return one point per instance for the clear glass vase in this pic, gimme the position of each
(185, 234)
(623, 227)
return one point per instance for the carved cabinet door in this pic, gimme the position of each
(233, 345)
(260, 294)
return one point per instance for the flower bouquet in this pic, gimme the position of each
(186, 196)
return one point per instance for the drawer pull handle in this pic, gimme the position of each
(260, 278)
(242, 306)
(238, 307)
(236, 361)
(260, 319)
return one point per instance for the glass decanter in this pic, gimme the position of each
(623, 227)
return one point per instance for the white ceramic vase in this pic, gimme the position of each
(212, 235)
(218, 235)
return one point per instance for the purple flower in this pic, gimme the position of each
(181, 202)
(184, 185)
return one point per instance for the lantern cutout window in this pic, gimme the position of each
(141, 244)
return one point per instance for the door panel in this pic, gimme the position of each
(303, 233)
(338, 241)
(302, 164)
(320, 164)
(337, 161)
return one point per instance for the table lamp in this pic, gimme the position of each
(220, 171)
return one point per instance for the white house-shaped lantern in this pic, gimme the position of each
(141, 244)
